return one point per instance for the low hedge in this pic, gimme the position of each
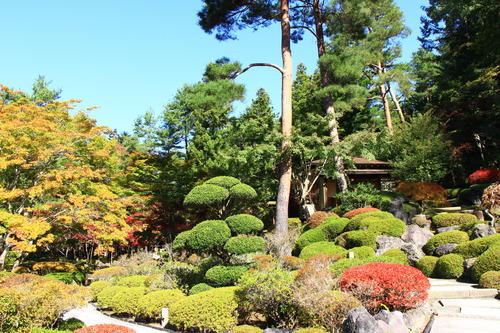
(199, 288)
(98, 286)
(106, 295)
(397, 253)
(212, 310)
(354, 222)
(359, 238)
(476, 247)
(488, 261)
(490, 279)
(447, 237)
(244, 224)
(150, 305)
(449, 219)
(63, 277)
(390, 227)
(225, 275)
(449, 266)
(108, 273)
(311, 236)
(247, 329)
(361, 252)
(355, 212)
(427, 265)
(334, 226)
(132, 281)
(320, 247)
(208, 235)
(126, 300)
(245, 244)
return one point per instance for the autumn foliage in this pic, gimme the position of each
(424, 193)
(350, 214)
(484, 176)
(105, 328)
(399, 287)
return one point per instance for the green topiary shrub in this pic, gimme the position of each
(206, 195)
(361, 238)
(490, 279)
(106, 295)
(71, 324)
(213, 310)
(126, 300)
(150, 305)
(208, 235)
(397, 253)
(98, 286)
(242, 192)
(427, 265)
(132, 281)
(311, 236)
(448, 237)
(476, 247)
(223, 181)
(361, 252)
(244, 224)
(488, 261)
(334, 226)
(320, 247)
(246, 329)
(354, 222)
(63, 277)
(449, 266)
(340, 266)
(199, 288)
(391, 226)
(225, 275)
(180, 240)
(449, 219)
(245, 244)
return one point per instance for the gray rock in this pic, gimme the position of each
(417, 319)
(385, 243)
(444, 249)
(468, 263)
(445, 229)
(422, 221)
(482, 230)
(397, 208)
(413, 252)
(394, 320)
(360, 321)
(417, 235)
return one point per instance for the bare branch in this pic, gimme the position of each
(258, 64)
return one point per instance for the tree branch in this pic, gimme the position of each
(258, 64)
(305, 27)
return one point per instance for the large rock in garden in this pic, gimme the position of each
(445, 229)
(422, 221)
(360, 321)
(398, 209)
(417, 319)
(444, 249)
(482, 230)
(413, 252)
(394, 320)
(417, 235)
(385, 243)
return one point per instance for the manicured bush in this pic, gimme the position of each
(246, 329)
(105, 328)
(180, 240)
(350, 214)
(208, 235)
(225, 275)
(244, 224)
(311, 236)
(340, 266)
(359, 238)
(106, 295)
(449, 266)
(206, 195)
(476, 247)
(490, 279)
(107, 273)
(212, 310)
(361, 252)
(199, 288)
(334, 226)
(132, 281)
(156, 281)
(70, 324)
(488, 261)
(63, 277)
(245, 244)
(397, 253)
(150, 305)
(390, 226)
(127, 299)
(449, 219)
(292, 263)
(320, 247)
(98, 286)
(318, 217)
(46, 267)
(242, 192)
(484, 176)
(447, 237)
(223, 181)
(398, 287)
(427, 265)
(354, 223)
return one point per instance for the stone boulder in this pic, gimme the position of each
(444, 249)
(394, 320)
(417, 319)
(417, 235)
(468, 263)
(360, 321)
(385, 243)
(422, 221)
(413, 252)
(482, 230)
(398, 209)
(446, 229)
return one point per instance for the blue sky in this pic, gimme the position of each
(132, 56)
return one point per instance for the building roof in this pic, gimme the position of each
(360, 160)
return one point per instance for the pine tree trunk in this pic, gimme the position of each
(396, 102)
(286, 129)
(387, 108)
(327, 101)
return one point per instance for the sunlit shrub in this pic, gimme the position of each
(476, 247)
(311, 236)
(354, 223)
(138, 263)
(107, 273)
(334, 226)
(132, 281)
(397, 253)
(206, 195)
(318, 217)
(427, 265)
(449, 266)
(359, 238)
(105, 296)
(390, 226)
(63, 277)
(225, 275)
(244, 224)
(47, 267)
(292, 263)
(105, 328)
(223, 181)
(488, 261)
(449, 219)
(360, 252)
(208, 235)
(447, 237)
(242, 192)
(320, 247)
(490, 279)
(350, 214)
(199, 288)
(126, 300)
(98, 286)
(342, 265)
(245, 244)
(150, 305)
(246, 329)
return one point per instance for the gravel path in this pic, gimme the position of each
(89, 315)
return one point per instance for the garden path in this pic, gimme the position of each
(89, 315)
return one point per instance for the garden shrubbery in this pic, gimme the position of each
(449, 219)
(318, 217)
(350, 214)
(108, 273)
(490, 279)
(225, 275)
(98, 286)
(397, 253)
(476, 247)
(449, 266)
(488, 261)
(150, 305)
(199, 288)
(105, 328)
(208, 235)
(244, 224)
(245, 244)
(320, 247)
(311, 236)
(447, 237)
(132, 281)
(389, 226)
(359, 238)
(427, 265)
(126, 300)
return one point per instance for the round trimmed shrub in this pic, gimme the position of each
(105, 328)
(476, 247)
(199, 288)
(361, 252)
(320, 247)
(359, 238)
(98, 286)
(244, 224)
(449, 266)
(488, 261)
(127, 299)
(242, 191)
(397, 253)
(212, 310)
(447, 237)
(150, 305)
(354, 222)
(225, 275)
(391, 226)
(245, 244)
(105, 297)
(246, 329)
(108, 273)
(208, 235)
(334, 226)
(350, 214)
(490, 279)
(63, 277)
(340, 266)
(427, 265)
(206, 195)
(223, 181)
(398, 287)
(132, 281)
(318, 217)
(449, 219)
(311, 236)
(180, 240)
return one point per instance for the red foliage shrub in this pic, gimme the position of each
(399, 287)
(350, 214)
(423, 192)
(484, 176)
(319, 217)
(105, 328)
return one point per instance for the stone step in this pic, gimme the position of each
(444, 292)
(489, 313)
(470, 302)
(461, 324)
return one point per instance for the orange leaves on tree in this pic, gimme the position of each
(423, 193)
